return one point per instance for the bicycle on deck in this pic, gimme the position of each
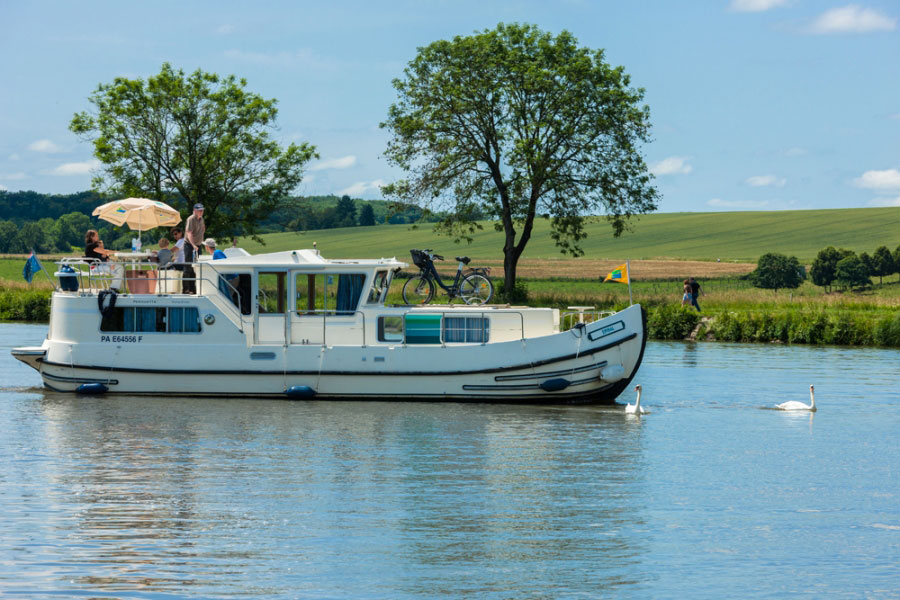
(472, 286)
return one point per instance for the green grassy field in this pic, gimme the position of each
(732, 236)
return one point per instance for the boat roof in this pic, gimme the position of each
(305, 258)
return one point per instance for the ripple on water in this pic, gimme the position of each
(171, 497)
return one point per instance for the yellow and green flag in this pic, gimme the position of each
(621, 274)
(618, 275)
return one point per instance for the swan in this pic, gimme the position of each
(636, 407)
(795, 405)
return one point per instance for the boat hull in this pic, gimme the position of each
(591, 363)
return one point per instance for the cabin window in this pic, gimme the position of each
(150, 319)
(184, 320)
(337, 293)
(270, 292)
(423, 329)
(155, 319)
(379, 286)
(390, 329)
(466, 330)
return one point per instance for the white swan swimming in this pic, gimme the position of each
(636, 407)
(795, 405)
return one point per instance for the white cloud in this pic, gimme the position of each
(359, 188)
(888, 179)
(3, 188)
(44, 146)
(14, 156)
(13, 176)
(225, 29)
(795, 151)
(765, 180)
(344, 162)
(76, 168)
(745, 204)
(674, 165)
(755, 5)
(852, 19)
(885, 201)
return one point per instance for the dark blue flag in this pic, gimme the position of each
(32, 266)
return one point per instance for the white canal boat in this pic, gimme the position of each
(296, 325)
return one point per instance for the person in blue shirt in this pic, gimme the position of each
(211, 248)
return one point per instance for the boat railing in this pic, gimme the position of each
(582, 314)
(90, 275)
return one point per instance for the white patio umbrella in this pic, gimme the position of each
(140, 214)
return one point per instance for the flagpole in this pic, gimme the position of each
(50, 279)
(628, 270)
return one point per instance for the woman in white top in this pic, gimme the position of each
(179, 246)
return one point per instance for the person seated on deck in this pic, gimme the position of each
(210, 244)
(94, 250)
(164, 256)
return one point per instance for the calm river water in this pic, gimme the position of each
(707, 496)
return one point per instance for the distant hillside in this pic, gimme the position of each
(733, 236)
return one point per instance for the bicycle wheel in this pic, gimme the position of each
(418, 289)
(476, 289)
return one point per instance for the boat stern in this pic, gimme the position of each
(30, 355)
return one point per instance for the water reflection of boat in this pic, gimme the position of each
(294, 324)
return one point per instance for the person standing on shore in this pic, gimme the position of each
(686, 292)
(194, 230)
(695, 293)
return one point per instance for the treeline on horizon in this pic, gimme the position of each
(57, 222)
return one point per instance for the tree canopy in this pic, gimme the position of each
(192, 138)
(776, 271)
(824, 267)
(851, 272)
(515, 123)
(883, 263)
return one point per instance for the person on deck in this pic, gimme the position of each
(194, 229)
(211, 248)
(93, 249)
(164, 255)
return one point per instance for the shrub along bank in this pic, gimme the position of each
(17, 304)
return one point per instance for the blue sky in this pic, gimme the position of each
(755, 104)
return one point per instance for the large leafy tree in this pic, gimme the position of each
(515, 123)
(776, 271)
(192, 138)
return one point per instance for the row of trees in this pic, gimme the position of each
(844, 268)
(832, 266)
(65, 234)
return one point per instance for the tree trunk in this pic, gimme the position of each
(510, 262)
